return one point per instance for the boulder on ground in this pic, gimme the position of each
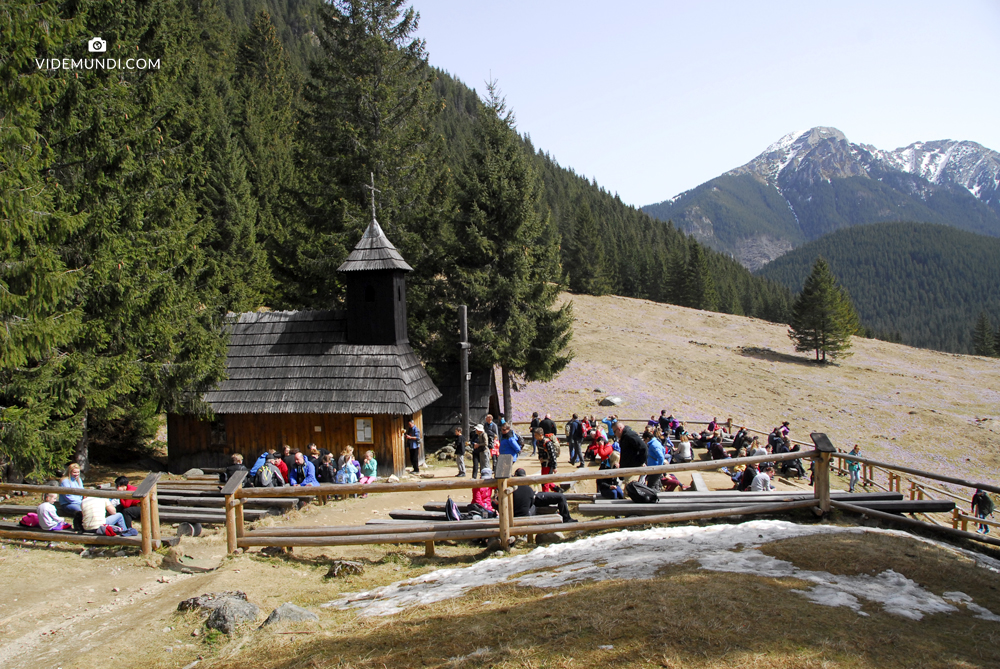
(611, 401)
(193, 472)
(231, 613)
(548, 538)
(289, 613)
(345, 568)
(210, 600)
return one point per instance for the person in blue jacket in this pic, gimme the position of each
(510, 443)
(70, 504)
(303, 473)
(655, 456)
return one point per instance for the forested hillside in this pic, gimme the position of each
(918, 283)
(141, 206)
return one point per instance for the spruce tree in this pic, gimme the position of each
(39, 307)
(369, 109)
(586, 259)
(504, 257)
(983, 342)
(128, 148)
(823, 318)
(699, 287)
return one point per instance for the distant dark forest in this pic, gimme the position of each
(917, 283)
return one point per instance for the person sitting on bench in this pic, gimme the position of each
(69, 505)
(97, 512)
(526, 499)
(610, 488)
(303, 473)
(762, 482)
(130, 509)
(48, 519)
(236, 466)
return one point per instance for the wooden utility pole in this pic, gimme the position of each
(464, 345)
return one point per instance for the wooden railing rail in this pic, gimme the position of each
(149, 517)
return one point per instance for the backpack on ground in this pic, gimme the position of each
(30, 520)
(641, 494)
(451, 510)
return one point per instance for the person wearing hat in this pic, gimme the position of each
(480, 449)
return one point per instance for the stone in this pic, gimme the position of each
(290, 613)
(392, 479)
(611, 401)
(121, 554)
(598, 390)
(548, 538)
(193, 472)
(231, 613)
(445, 456)
(273, 550)
(340, 568)
(210, 600)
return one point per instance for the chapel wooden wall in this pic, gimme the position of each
(195, 443)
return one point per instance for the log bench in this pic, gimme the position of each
(611, 508)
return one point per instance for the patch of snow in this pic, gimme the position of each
(641, 555)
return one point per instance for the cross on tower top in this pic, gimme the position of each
(373, 190)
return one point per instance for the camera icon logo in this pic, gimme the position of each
(97, 45)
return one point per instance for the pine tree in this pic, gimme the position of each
(983, 342)
(586, 264)
(369, 109)
(699, 287)
(39, 309)
(268, 95)
(823, 318)
(128, 151)
(504, 257)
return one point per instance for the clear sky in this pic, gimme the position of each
(654, 98)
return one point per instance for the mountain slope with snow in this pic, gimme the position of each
(810, 183)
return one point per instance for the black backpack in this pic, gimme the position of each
(641, 494)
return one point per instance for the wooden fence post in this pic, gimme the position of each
(234, 529)
(154, 515)
(147, 526)
(239, 518)
(913, 489)
(504, 465)
(955, 513)
(821, 470)
(428, 549)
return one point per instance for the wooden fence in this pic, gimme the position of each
(145, 492)
(237, 537)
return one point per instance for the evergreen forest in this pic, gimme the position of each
(920, 284)
(141, 206)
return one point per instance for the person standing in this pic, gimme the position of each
(480, 450)
(411, 435)
(491, 430)
(460, 452)
(547, 424)
(574, 435)
(854, 469)
(534, 423)
(982, 506)
(548, 454)
(633, 449)
(510, 443)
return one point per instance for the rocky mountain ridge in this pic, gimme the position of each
(813, 182)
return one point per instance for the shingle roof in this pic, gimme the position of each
(299, 362)
(374, 252)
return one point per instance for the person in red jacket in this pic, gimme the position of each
(280, 464)
(129, 508)
(482, 496)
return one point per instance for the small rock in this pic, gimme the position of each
(289, 612)
(85, 553)
(193, 472)
(273, 550)
(345, 568)
(611, 401)
(548, 538)
(163, 579)
(392, 479)
(121, 554)
(167, 629)
(196, 632)
(115, 590)
(238, 551)
(186, 570)
(598, 390)
(426, 475)
(231, 613)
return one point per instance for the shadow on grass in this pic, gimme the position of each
(764, 353)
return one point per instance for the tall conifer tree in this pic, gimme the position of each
(504, 258)
(699, 287)
(587, 265)
(823, 318)
(982, 336)
(39, 308)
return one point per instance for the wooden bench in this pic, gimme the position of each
(616, 508)
(698, 482)
(149, 522)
